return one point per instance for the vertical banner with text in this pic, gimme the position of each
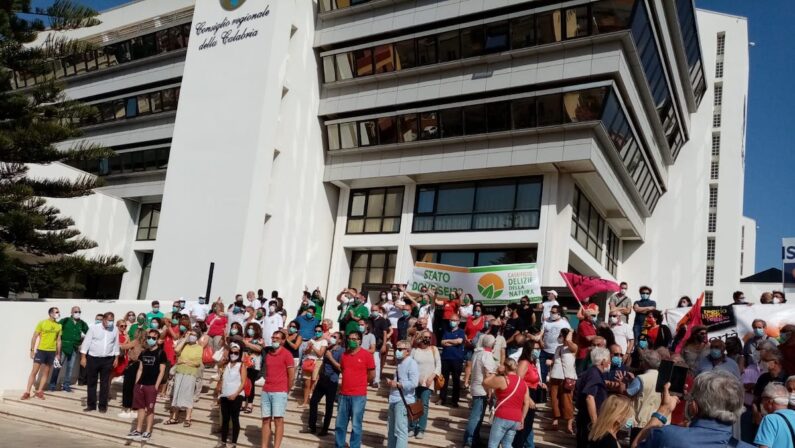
(788, 264)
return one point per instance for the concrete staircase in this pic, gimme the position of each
(63, 411)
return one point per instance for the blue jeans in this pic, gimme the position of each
(423, 394)
(472, 433)
(397, 426)
(350, 408)
(542, 359)
(68, 364)
(636, 330)
(502, 433)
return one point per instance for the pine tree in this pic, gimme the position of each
(39, 247)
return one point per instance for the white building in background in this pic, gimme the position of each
(335, 148)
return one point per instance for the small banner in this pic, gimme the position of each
(717, 317)
(582, 286)
(721, 320)
(492, 285)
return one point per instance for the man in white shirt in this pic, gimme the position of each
(550, 330)
(483, 364)
(271, 322)
(552, 300)
(198, 311)
(252, 300)
(99, 356)
(622, 333)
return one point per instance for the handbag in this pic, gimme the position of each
(207, 356)
(414, 410)
(569, 384)
(218, 355)
(308, 366)
(438, 380)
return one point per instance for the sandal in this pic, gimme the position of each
(171, 421)
(186, 424)
(25, 396)
(248, 410)
(40, 395)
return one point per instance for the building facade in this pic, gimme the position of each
(336, 147)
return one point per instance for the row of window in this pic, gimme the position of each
(652, 64)
(687, 23)
(372, 267)
(128, 162)
(521, 32)
(134, 106)
(148, 220)
(499, 204)
(587, 225)
(162, 41)
(331, 5)
(523, 113)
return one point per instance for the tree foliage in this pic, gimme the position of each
(40, 250)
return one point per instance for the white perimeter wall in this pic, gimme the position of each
(26, 315)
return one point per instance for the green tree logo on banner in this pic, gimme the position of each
(490, 286)
(231, 5)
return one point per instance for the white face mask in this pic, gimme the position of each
(792, 399)
(776, 300)
(56, 315)
(613, 320)
(623, 291)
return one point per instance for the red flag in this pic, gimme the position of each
(583, 287)
(691, 319)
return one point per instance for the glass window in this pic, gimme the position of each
(523, 32)
(406, 54)
(487, 257)
(375, 210)
(472, 41)
(387, 130)
(611, 15)
(333, 132)
(429, 125)
(143, 104)
(169, 99)
(495, 196)
(549, 109)
(496, 37)
(426, 199)
(576, 22)
(585, 105)
(548, 27)
(155, 102)
(408, 128)
(131, 106)
(455, 198)
(368, 133)
(148, 220)
(449, 46)
(426, 50)
(499, 116)
(524, 113)
(348, 135)
(120, 109)
(452, 124)
(372, 267)
(364, 61)
(329, 74)
(384, 58)
(475, 119)
(344, 66)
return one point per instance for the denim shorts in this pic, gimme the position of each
(274, 404)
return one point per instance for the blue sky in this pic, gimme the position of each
(770, 154)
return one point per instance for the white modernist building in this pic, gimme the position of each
(334, 147)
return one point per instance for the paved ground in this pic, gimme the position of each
(19, 434)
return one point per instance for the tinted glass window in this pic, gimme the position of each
(406, 55)
(548, 27)
(549, 110)
(523, 32)
(329, 74)
(384, 58)
(368, 133)
(333, 131)
(364, 61)
(495, 196)
(408, 128)
(387, 130)
(456, 198)
(425, 200)
(472, 40)
(496, 37)
(426, 50)
(348, 135)
(344, 66)
(499, 116)
(576, 22)
(449, 46)
(583, 105)
(475, 119)
(611, 15)
(429, 125)
(452, 124)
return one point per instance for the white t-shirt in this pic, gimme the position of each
(551, 332)
(465, 311)
(256, 304)
(427, 312)
(393, 313)
(622, 333)
(368, 340)
(198, 311)
(563, 365)
(316, 344)
(271, 323)
(547, 306)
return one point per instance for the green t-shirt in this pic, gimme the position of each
(48, 332)
(359, 312)
(72, 333)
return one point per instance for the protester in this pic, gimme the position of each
(622, 334)
(759, 336)
(217, 324)
(271, 322)
(358, 370)
(685, 302)
(280, 374)
(483, 365)
(513, 403)
(773, 361)
(717, 360)
(615, 415)
(586, 332)
(155, 313)
(715, 404)
(382, 330)
(313, 356)
(401, 394)
(787, 347)
(133, 348)
(738, 298)
(550, 331)
(151, 372)
(590, 392)
(293, 343)
(45, 349)
(474, 324)
(642, 308)
(72, 330)
(326, 386)
(528, 371)
(452, 361)
(621, 303)
(562, 378)
(429, 364)
(189, 359)
(643, 391)
(99, 355)
(776, 429)
(546, 306)
(252, 345)
(230, 392)
(779, 298)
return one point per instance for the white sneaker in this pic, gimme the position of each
(124, 415)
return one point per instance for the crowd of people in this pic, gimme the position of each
(598, 378)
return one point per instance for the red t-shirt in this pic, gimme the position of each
(531, 377)
(584, 329)
(277, 365)
(450, 309)
(217, 325)
(471, 329)
(510, 405)
(354, 372)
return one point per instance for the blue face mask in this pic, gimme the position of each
(616, 361)
(644, 296)
(154, 325)
(453, 325)
(151, 342)
(97, 321)
(644, 344)
(333, 341)
(476, 314)
(628, 425)
(759, 332)
(109, 326)
(405, 313)
(233, 331)
(536, 352)
(398, 354)
(182, 328)
(715, 353)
